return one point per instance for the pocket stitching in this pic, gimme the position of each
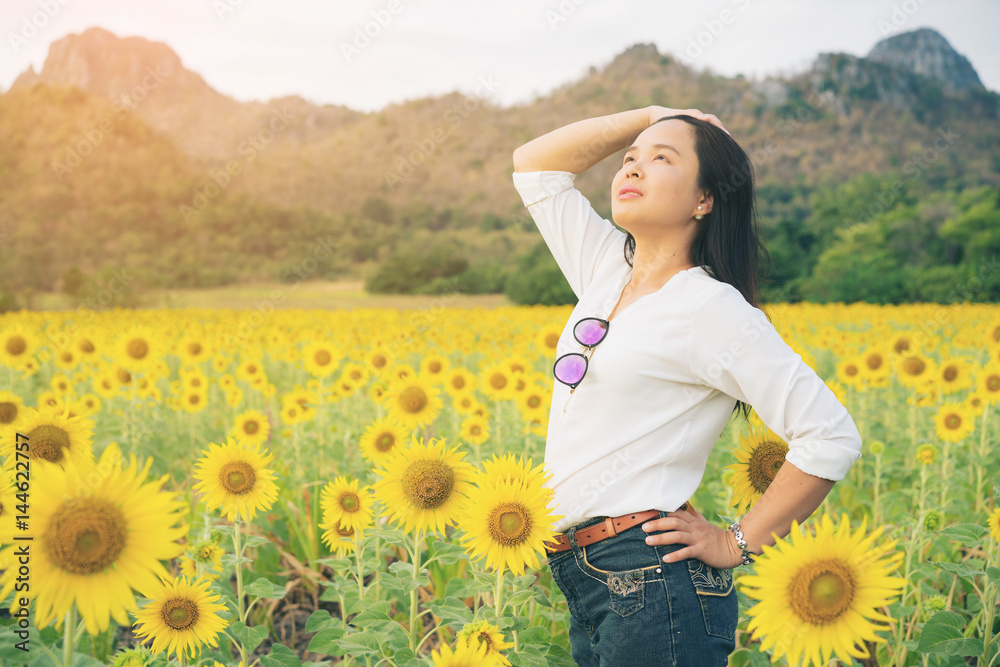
(583, 551)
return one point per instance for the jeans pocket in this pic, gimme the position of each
(628, 591)
(716, 596)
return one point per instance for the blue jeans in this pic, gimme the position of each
(630, 609)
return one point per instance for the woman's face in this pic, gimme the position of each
(657, 185)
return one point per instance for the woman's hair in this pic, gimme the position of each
(727, 240)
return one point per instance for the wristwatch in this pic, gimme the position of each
(747, 558)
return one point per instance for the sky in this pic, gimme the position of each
(367, 54)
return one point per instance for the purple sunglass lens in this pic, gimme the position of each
(590, 331)
(570, 368)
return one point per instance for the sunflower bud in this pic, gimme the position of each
(926, 453)
(876, 447)
(935, 603)
(932, 521)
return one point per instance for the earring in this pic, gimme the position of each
(699, 216)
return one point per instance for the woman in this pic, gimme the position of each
(666, 334)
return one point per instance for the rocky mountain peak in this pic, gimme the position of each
(926, 51)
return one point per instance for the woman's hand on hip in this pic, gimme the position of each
(657, 112)
(704, 540)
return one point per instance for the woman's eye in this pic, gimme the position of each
(627, 159)
(661, 156)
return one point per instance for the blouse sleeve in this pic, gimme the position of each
(735, 349)
(579, 238)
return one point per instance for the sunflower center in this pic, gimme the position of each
(993, 383)
(458, 382)
(484, 638)
(428, 484)
(874, 362)
(384, 442)
(345, 532)
(509, 524)
(434, 366)
(822, 591)
(476, 429)
(350, 502)
(950, 373)
(379, 361)
(179, 613)
(85, 535)
(413, 400)
(194, 398)
(237, 477)
(137, 348)
(322, 357)
(551, 340)
(194, 348)
(86, 346)
(48, 443)
(952, 421)
(8, 412)
(764, 464)
(851, 370)
(534, 401)
(250, 427)
(16, 345)
(914, 366)
(498, 380)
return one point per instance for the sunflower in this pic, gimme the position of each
(485, 633)
(508, 523)
(849, 372)
(459, 380)
(342, 540)
(233, 478)
(8, 505)
(321, 358)
(464, 655)
(249, 370)
(475, 430)
(533, 401)
(181, 616)
(993, 523)
(346, 504)
(423, 484)
(194, 401)
(434, 367)
(52, 437)
(102, 535)
(138, 348)
(498, 382)
(11, 408)
(18, 345)
(464, 402)
(953, 422)
(193, 349)
(517, 469)
(819, 593)
(547, 339)
(926, 453)
(760, 456)
(915, 370)
(988, 382)
(414, 402)
(380, 439)
(203, 560)
(252, 426)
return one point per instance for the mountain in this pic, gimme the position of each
(116, 145)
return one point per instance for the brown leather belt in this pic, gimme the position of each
(602, 531)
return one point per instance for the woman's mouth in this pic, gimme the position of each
(629, 193)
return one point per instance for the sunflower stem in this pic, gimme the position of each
(498, 594)
(878, 483)
(990, 607)
(69, 642)
(980, 502)
(417, 538)
(239, 583)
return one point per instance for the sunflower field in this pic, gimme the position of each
(366, 487)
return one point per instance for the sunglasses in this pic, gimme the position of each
(570, 368)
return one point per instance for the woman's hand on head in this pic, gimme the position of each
(701, 539)
(658, 112)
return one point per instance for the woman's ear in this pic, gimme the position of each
(706, 203)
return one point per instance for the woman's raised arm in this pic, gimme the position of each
(579, 146)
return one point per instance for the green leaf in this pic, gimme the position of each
(379, 611)
(961, 569)
(447, 553)
(319, 620)
(262, 587)
(458, 587)
(558, 657)
(335, 563)
(970, 534)
(250, 637)
(254, 541)
(535, 635)
(280, 656)
(325, 641)
(528, 656)
(943, 634)
(994, 574)
(360, 643)
(451, 611)
(517, 599)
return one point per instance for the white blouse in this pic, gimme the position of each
(660, 388)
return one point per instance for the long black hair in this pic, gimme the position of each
(728, 241)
